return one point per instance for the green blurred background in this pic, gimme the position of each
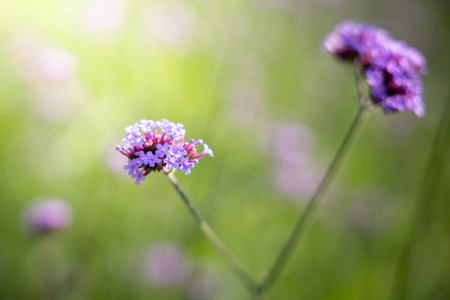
(250, 79)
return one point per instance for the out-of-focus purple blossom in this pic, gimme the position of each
(48, 216)
(104, 15)
(349, 39)
(295, 174)
(38, 62)
(393, 69)
(153, 146)
(292, 140)
(164, 265)
(296, 180)
(50, 73)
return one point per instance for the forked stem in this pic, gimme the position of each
(204, 226)
(290, 245)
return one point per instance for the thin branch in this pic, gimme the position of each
(204, 226)
(293, 240)
(289, 247)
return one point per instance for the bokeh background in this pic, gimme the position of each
(251, 80)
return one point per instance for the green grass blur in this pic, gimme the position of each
(230, 71)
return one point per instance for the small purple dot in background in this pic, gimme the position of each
(47, 216)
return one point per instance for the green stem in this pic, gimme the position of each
(289, 247)
(237, 268)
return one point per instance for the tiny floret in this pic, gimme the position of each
(392, 69)
(157, 145)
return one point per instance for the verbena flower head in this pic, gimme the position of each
(47, 216)
(393, 69)
(157, 145)
(349, 39)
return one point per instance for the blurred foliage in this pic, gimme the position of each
(230, 71)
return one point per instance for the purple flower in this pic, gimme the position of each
(152, 159)
(41, 63)
(178, 150)
(295, 174)
(47, 216)
(142, 157)
(207, 150)
(348, 39)
(164, 265)
(133, 166)
(139, 176)
(162, 149)
(179, 131)
(148, 158)
(393, 69)
(104, 16)
(186, 164)
(155, 145)
(172, 161)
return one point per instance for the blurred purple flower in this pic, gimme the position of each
(393, 69)
(48, 216)
(295, 173)
(292, 139)
(49, 72)
(295, 180)
(40, 63)
(155, 145)
(348, 40)
(164, 265)
(104, 15)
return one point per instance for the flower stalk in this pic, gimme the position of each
(296, 234)
(214, 239)
(293, 240)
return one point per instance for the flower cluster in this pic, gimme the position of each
(393, 69)
(156, 145)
